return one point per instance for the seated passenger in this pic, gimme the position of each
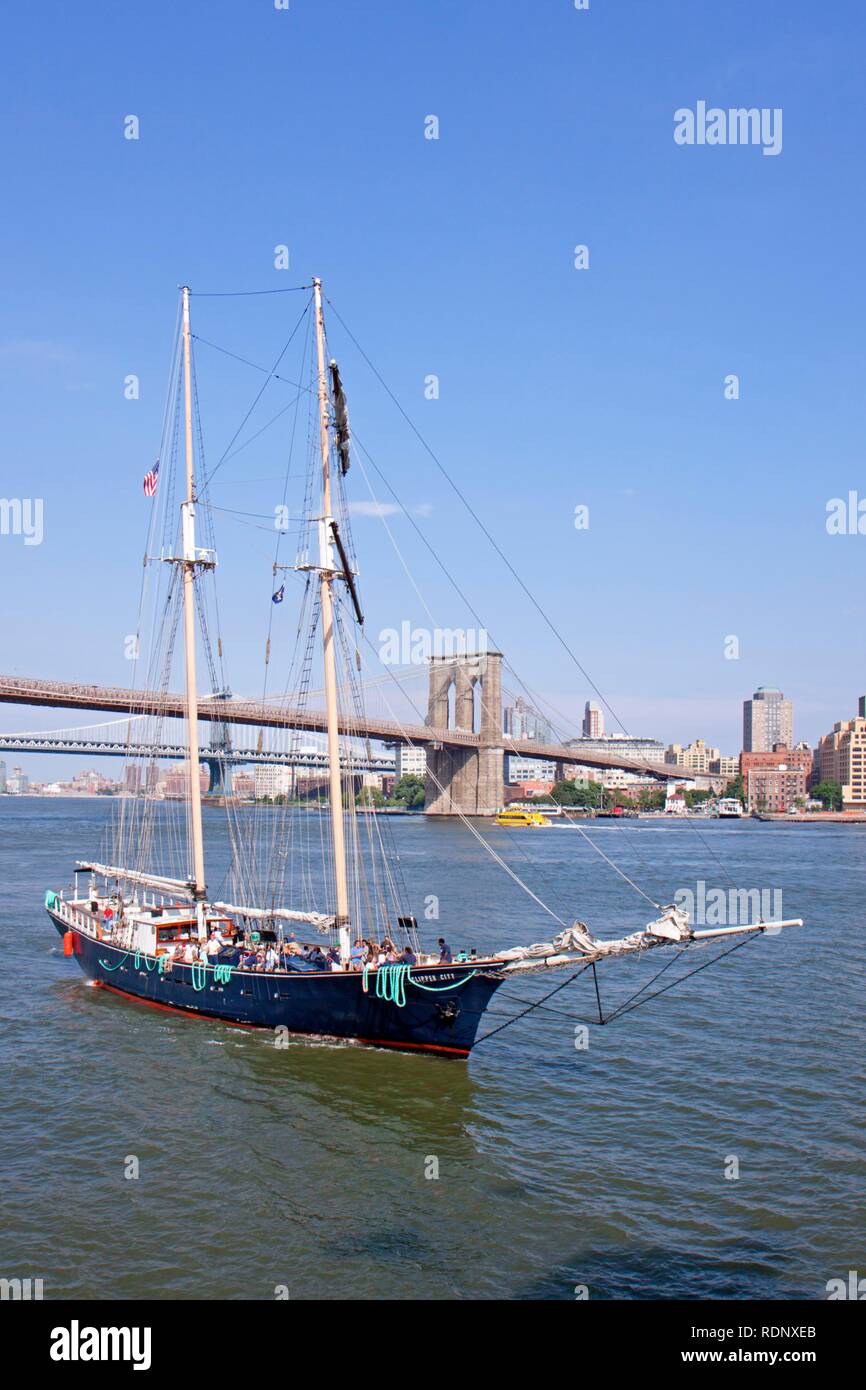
(318, 958)
(408, 956)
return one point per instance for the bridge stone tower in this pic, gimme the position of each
(469, 779)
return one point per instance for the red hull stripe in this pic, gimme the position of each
(232, 1023)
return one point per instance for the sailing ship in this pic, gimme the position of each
(157, 937)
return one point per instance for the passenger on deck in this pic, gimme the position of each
(356, 955)
(188, 953)
(213, 947)
(248, 959)
(271, 958)
(318, 957)
(445, 956)
(333, 958)
(408, 956)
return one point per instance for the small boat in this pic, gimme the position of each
(520, 817)
(729, 807)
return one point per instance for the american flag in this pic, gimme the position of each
(150, 480)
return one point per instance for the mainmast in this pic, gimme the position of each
(189, 559)
(326, 579)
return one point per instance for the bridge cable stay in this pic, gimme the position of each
(476, 518)
(572, 820)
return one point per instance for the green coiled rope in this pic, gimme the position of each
(391, 984)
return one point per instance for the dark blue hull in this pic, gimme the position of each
(441, 1013)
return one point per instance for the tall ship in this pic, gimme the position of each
(308, 931)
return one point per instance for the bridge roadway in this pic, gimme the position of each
(20, 690)
(235, 757)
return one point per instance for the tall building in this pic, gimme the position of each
(593, 721)
(768, 719)
(841, 757)
(522, 721)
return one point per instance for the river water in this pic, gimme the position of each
(708, 1145)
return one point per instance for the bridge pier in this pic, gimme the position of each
(220, 777)
(468, 781)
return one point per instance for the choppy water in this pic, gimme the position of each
(558, 1167)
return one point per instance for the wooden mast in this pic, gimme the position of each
(188, 562)
(326, 579)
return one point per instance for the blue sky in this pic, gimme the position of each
(559, 387)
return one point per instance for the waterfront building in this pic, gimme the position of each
(593, 721)
(776, 780)
(768, 719)
(522, 721)
(271, 781)
(841, 757)
(646, 749)
(725, 767)
(410, 761)
(521, 769)
(696, 756)
(522, 791)
(17, 784)
(175, 783)
(774, 788)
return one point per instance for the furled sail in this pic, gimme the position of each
(319, 920)
(175, 887)
(341, 417)
(577, 942)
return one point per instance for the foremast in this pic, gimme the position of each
(190, 560)
(327, 573)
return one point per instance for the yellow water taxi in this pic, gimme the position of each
(520, 817)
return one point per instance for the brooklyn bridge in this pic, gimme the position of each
(462, 733)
